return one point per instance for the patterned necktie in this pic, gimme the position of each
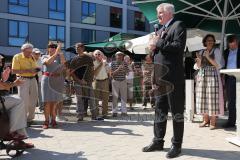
(163, 31)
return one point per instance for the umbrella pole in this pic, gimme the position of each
(224, 20)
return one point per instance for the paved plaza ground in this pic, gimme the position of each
(122, 138)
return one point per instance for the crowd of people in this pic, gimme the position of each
(40, 80)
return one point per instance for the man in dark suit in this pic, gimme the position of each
(232, 61)
(168, 47)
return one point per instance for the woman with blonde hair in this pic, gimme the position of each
(52, 82)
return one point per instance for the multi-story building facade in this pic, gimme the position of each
(69, 21)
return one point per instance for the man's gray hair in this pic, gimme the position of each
(167, 7)
(98, 51)
(26, 46)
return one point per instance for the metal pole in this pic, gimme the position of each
(223, 25)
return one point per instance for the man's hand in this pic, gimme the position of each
(83, 82)
(18, 82)
(121, 67)
(153, 42)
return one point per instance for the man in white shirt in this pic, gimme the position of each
(101, 81)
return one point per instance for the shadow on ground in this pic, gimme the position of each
(38, 154)
(211, 154)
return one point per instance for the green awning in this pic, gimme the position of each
(106, 47)
(204, 14)
(115, 43)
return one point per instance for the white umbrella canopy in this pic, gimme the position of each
(194, 41)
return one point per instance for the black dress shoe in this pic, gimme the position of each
(153, 147)
(228, 125)
(173, 152)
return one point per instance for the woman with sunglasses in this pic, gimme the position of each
(209, 96)
(52, 82)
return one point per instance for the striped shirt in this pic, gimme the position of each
(121, 74)
(147, 69)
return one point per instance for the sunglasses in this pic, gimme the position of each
(52, 46)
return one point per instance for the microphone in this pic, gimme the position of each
(156, 27)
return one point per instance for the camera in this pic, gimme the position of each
(37, 69)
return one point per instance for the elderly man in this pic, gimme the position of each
(119, 70)
(101, 82)
(82, 71)
(37, 56)
(168, 47)
(25, 67)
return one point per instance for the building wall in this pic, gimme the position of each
(130, 22)
(38, 8)
(75, 35)
(38, 22)
(102, 36)
(4, 32)
(4, 6)
(38, 34)
(76, 10)
(102, 11)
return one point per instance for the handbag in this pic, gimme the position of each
(4, 120)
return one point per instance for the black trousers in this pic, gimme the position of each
(231, 96)
(174, 102)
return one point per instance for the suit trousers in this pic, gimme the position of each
(17, 114)
(231, 97)
(28, 92)
(174, 102)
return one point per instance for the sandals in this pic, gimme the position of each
(54, 123)
(45, 125)
(204, 124)
(15, 136)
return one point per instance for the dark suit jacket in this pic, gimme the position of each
(169, 57)
(226, 53)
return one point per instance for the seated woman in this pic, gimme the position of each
(17, 117)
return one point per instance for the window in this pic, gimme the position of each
(57, 9)
(88, 13)
(88, 35)
(139, 21)
(18, 33)
(57, 33)
(116, 1)
(116, 17)
(18, 6)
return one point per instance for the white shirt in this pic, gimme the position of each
(102, 74)
(167, 24)
(232, 59)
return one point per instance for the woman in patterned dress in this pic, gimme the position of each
(208, 82)
(52, 82)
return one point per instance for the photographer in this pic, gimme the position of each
(16, 110)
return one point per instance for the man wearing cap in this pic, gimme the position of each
(119, 70)
(37, 56)
(25, 67)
